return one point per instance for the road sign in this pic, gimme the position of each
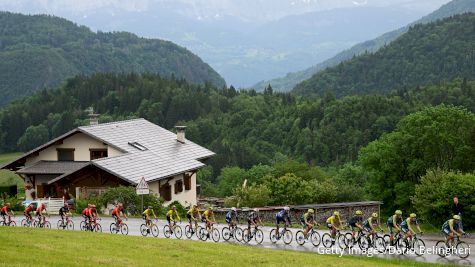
(142, 187)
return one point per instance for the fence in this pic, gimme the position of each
(322, 211)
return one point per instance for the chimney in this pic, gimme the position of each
(93, 118)
(180, 133)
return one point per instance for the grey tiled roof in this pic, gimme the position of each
(53, 167)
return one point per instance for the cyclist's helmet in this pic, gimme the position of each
(174, 207)
(256, 210)
(150, 207)
(374, 215)
(398, 212)
(336, 213)
(43, 205)
(286, 208)
(359, 212)
(65, 204)
(233, 209)
(310, 211)
(413, 215)
(456, 217)
(7, 204)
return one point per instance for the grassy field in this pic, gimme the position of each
(41, 247)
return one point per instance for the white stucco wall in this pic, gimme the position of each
(186, 197)
(80, 142)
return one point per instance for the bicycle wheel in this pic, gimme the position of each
(363, 242)
(124, 229)
(341, 241)
(36, 224)
(441, 249)
(350, 241)
(272, 236)
(12, 223)
(419, 246)
(287, 237)
(114, 229)
(188, 231)
(387, 240)
(463, 249)
(315, 238)
(300, 237)
(403, 246)
(166, 231)
(178, 232)
(144, 229)
(202, 234)
(215, 235)
(259, 236)
(60, 224)
(327, 240)
(380, 244)
(246, 236)
(24, 223)
(47, 225)
(238, 234)
(70, 225)
(98, 228)
(154, 230)
(226, 233)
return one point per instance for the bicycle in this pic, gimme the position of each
(204, 233)
(150, 228)
(313, 235)
(249, 234)
(122, 227)
(458, 247)
(374, 240)
(328, 241)
(67, 223)
(27, 222)
(396, 239)
(414, 244)
(9, 223)
(285, 234)
(232, 231)
(40, 223)
(176, 229)
(360, 239)
(92, 226)
(189, 231)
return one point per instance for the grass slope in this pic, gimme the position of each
(40, 247)
(8, 177)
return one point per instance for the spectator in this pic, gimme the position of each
(457, 209)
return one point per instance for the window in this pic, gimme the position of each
(98, 153)
(166, 192)
(138, 146)
(187, 181)
(178, 186)
(65, 154)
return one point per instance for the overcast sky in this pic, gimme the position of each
(251, 10)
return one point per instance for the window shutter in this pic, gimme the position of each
(187, 182)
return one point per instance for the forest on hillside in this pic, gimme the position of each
(41, 51)
(437, 52)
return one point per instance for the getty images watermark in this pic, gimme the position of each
(370, 252)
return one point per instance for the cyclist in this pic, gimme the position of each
(39, 213)
(7, 211)
(27, 213)
(209, 219)
(63, 212)
(406, 226)
(369, 223)
(253, 219)
(232, 218)
(282, 216)
(172, 216)
(87, 215)
(356, 222)
(116, 215)
(146, 216)
(394, 222)
(193, 215)
(308, 221)
(334, 223)
(451, 228)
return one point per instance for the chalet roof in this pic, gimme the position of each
(150, 151)
(53, 167)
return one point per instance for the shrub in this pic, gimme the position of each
(433, 198)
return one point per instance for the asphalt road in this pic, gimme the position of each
(430, 240)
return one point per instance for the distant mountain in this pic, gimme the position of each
(42, 51)
(289, 81)
(434, 52)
